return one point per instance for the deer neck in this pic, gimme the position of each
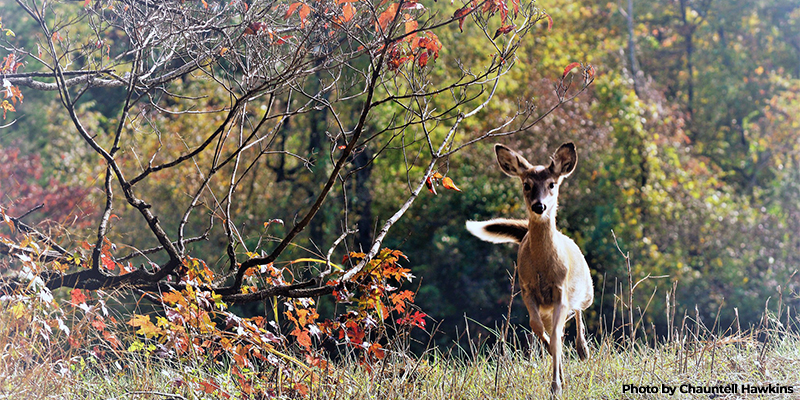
(541, 234)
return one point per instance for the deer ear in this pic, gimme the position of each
(564, 160)
(510, 162)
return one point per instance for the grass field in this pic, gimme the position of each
(766, 358)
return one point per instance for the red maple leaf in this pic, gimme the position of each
(77, 297)
(355, 333)
(416, 319)
(108, 263)
(99, 324)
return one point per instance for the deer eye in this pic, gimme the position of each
(552, 185)
(526, 186)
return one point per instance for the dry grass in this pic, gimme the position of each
(501, 371)
(512, 375)
(32, 367)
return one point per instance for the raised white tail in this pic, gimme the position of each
(499, 230)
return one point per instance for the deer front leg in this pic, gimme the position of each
(535, 319)
(556, 342)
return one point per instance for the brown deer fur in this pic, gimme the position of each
(555, 279)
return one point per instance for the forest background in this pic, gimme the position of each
(688, 150)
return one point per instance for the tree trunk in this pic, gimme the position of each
(362, 203)
(632, 51)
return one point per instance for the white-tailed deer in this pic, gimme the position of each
(555, 279)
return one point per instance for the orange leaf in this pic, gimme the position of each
(355, 333)
(493, 6)
(112, 339)
(99, 325)
(209, 386)
(429, 183)
(6, 106)
(448, 184)
(348, 11)
(377, 350)
(503, 30)
(77, 297)
(304, 12)
(411, 26)
(437, 175)
(549, 22)
(460, 15)
(399, 300)
(173, 297)
(303, 338)
(292, 8)
(387, 16)
(569, 68)
(395, 63)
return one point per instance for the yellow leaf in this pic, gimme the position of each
(146, 327)
(18, 310)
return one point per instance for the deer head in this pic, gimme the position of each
(540, 183)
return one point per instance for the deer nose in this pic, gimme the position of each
(538, 207)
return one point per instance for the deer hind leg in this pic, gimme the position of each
(560, 312)
(580, 341)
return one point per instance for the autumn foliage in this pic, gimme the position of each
(182, 117)
(193, 324)
(27, 188)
